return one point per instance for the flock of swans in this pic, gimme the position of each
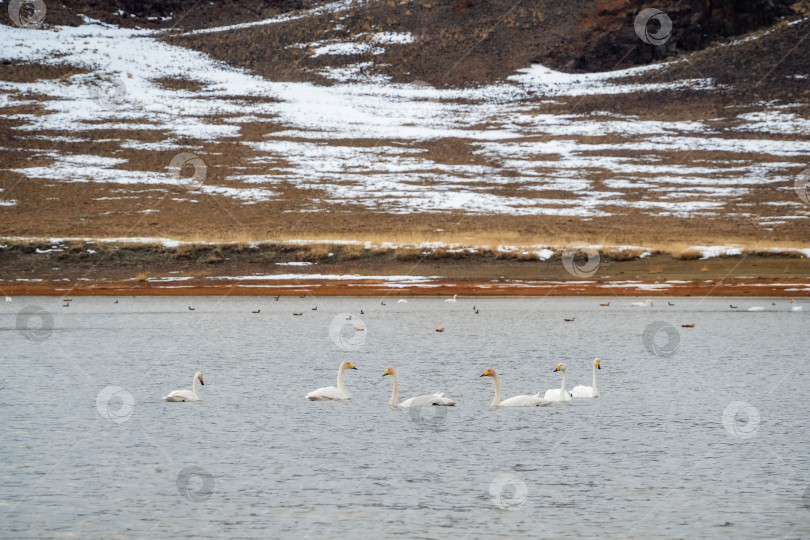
(339, 392)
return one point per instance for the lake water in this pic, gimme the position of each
(699, 432)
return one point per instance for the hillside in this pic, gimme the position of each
(457, 122)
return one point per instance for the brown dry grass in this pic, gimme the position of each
(618, 254)
(688, 254)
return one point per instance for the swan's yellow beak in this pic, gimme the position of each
(598, 365)
(487, 373)
(387, 372)
(351, 366)
(558, 368)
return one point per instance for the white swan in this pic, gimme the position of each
(558, 394)
(588, 391)
(402, 301)
(454, 299)
(418, 401)
(795, 308)
(330, 393)
(186, 395)
(517, 401)
(645, 303)
(756, 308)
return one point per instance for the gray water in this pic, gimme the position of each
(652, 457)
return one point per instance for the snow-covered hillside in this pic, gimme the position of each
(521, 147)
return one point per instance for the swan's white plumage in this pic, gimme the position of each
(796, 308)
(581, 391)
(558, 394)
(187, 395)
(454, 299)
(533, 400)
(426, 400)
(645, 303)
(328, 393)
(525, 400)
(756, 308)
(333, 393)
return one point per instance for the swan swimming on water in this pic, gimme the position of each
(558, 394)
(588, 391)
(333, 393)
(418, 401)
(517, 401)
(188, 395)
(645, 303)
(454, 299)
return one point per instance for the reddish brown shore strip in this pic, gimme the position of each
(439, 287)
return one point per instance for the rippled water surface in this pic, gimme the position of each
(652, 457)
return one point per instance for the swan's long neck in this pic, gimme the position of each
(594, 378)
(395, 391)
(497, 400)
(194, 386)
(340, 381)
(562, 388)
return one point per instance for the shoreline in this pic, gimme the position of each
(436, 288)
